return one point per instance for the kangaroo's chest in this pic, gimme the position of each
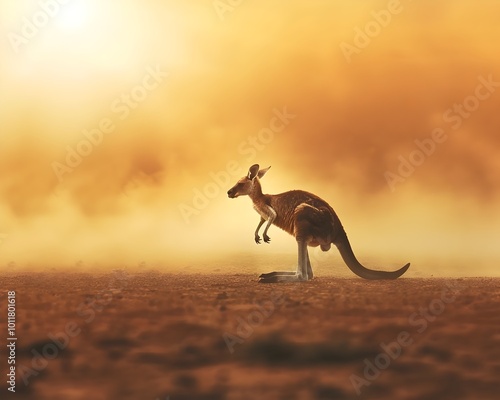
(265, 210)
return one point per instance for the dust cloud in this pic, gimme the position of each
(122, 130)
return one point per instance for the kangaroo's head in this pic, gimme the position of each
(246, 185)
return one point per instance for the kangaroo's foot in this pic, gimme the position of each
(271, 274)
(275, 277)
(267, 239)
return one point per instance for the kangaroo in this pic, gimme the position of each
(309, 219)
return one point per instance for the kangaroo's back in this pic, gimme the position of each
(289, 206)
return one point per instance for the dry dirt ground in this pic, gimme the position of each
(154, 336)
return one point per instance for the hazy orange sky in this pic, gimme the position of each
(187, 95)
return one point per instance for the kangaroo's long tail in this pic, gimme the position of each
(342, 243)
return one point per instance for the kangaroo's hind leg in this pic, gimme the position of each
(309, 268)
(300, 275)
(310, 274)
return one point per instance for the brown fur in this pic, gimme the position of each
(309, 219)
(302, 214)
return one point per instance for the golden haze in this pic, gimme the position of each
(227, 80)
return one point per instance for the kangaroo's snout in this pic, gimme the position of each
(231, 193)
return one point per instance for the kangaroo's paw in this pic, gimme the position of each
(257, 239)
(267, 239)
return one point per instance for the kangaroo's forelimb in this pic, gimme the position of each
(267, 214)
(257, 237)
(270, 220)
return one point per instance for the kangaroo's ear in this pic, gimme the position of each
(253, 171)
(262, 172)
